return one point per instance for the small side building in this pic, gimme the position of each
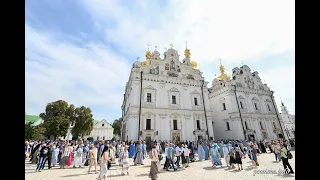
(102, 130)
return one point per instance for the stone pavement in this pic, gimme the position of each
(268, 169)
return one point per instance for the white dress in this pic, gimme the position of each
(104, 166)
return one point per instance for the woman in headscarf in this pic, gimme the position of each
(138, 157)
(131, 149)
(238, 159)
(69, 162)
(154, 164)
(55, 154)
(78, 158)
(230, 146)
(125, 161)
(104, 163)
(201, 152)
(221, 147)
(226, 155)
(215, 156)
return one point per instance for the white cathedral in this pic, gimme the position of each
(166, 99)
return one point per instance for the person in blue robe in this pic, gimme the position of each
(131, 150)
(221, 148)
(201, 152)
(215, 156)
(206, 151)
(139, 152)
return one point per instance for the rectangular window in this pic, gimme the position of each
(103, 138)
(261, 125)
(224, 106)
(241, 105)
(195, 101)
(198, 125)
(274, 125)
(174, 101)
(269, 109)
(245, 123)
(255, 106)
(148, 124)
(148, 97)
(175, 125)
(228, 127)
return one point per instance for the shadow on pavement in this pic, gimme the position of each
(212, 168)
(141, 175)
(115, 175)
(72, 175)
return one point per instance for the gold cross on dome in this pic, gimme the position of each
(171, 45)
(186, 44)
(155, 47)
(148, 46)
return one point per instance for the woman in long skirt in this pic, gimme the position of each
(69, 162)
(232, 158)
(238, 157)
(183, 157)
(78, 157)
(104, 163)
(55, 154)
(215, 156)
(65, 156)
(154, 164)
(125, 161)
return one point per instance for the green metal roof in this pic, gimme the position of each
(32, 118)
(96, 121)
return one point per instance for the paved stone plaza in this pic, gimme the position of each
(268, 169)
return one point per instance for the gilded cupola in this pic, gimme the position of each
(223, 75)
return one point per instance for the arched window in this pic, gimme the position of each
(245, 123)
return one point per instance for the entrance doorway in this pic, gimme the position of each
(280, 135)
(176, 137)
(251, 137)
(148, 143)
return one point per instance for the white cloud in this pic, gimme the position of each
(230, 30)
(82, 76)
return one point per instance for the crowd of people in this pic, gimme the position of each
(103, 154)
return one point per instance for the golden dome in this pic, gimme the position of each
(223, 75)
(148, 54)
(187, 52)
(194, 64)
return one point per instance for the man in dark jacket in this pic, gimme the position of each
(42, 157)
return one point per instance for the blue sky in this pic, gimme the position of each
(82, 51)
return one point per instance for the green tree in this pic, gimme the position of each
(83, 122)
(38, 132)
(57, 117)
(28, 130)
(117, 124)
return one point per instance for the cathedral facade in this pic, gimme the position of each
(168, 99)
(288, 122)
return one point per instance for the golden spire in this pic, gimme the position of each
(223, 75)
(187, 54)
(148, 57)
(187, 51)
